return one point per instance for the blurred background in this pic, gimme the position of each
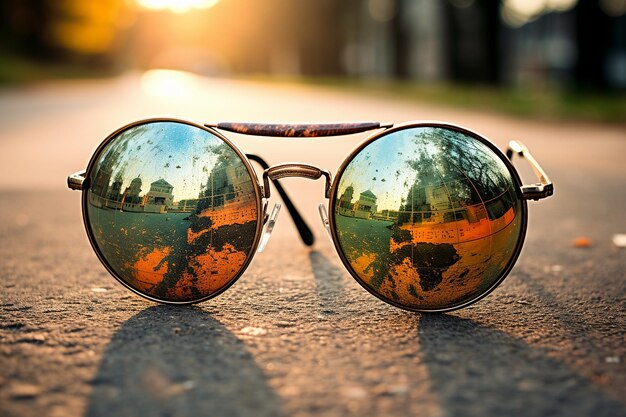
(551, 73)
(559, 59)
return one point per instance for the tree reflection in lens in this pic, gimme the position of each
(172, 209)
(428, 217)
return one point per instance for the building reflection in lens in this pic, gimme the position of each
(173, 210)
(428, 217)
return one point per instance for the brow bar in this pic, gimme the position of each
(299, 130)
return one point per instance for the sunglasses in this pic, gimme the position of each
(426, 216)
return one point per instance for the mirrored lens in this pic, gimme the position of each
(172, 210)
(428, 218)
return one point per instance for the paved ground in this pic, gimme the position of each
(296, 336)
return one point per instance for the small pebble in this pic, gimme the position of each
(553, 268)
(619, 240)
(398, 390)
(354, 392)
(23, 391)
(581, 242)
(33, 338)
(254, 331)
(526, 385)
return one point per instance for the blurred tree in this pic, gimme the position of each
(61, 29)
(473, 41)
(593, 40)
(23, 26)
(401, 41)
(317, 27)
(84, 27)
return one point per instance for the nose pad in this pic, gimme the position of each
(269, 227)
(324, 216)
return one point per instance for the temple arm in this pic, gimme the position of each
(299, 130)
(303, 228)
(539, 190)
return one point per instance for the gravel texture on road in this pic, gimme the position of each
(296, 335)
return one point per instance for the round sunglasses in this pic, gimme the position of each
(426, 216)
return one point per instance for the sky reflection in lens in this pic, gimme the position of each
(427, 217)
(172, 209)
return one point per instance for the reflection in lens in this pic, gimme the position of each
(428, 217)
(172, 209)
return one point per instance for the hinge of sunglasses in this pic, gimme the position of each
(539, 190)
(76, 180)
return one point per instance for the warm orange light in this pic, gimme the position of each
(177, 6)
(169, 84)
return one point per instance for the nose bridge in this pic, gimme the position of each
(294, 169)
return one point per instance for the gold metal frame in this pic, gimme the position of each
(295, 170)
(257, 190)
(542, 189)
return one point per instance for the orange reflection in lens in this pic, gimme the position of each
(214, 269)
(236, 212)
(150, 268)
(362, 265)
(173, 209)
(427, 217)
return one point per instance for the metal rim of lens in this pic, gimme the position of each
(253, 178)
(409, 125)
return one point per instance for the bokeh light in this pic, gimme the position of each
(613, 7)
(169, 84)
(382, 10)
(519, 12)
(177, 6)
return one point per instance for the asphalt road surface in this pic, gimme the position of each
(296, 335)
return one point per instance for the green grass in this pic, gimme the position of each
(532, 103)
(15, 70)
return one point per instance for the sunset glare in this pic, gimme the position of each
(177, 6)
(169, 84)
